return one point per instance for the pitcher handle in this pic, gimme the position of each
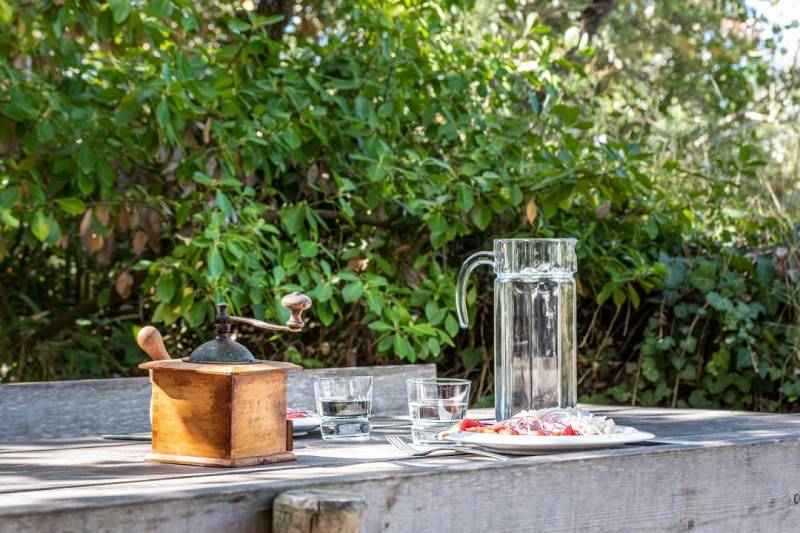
(476, 259)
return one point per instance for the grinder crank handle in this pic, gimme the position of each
(149, 340)
(295, 303)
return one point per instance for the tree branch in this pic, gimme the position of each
(276, 7)
(594, 15)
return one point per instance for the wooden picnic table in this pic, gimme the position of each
(705, 471)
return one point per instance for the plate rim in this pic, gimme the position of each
(630, 436)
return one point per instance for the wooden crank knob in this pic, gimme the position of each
(296, 303)
(149, 340)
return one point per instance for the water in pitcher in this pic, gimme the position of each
(533, 330)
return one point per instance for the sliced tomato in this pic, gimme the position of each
(508, 431)
(467, 423)
(569, 431)
(479, 429)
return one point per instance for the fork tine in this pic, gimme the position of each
(399, 443)
(406, 445)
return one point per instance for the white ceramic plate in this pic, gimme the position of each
(536, 444)
(305, 424)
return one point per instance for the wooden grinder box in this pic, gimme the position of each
(219, 414)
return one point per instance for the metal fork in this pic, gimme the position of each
(408, 449)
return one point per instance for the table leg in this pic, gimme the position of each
(317, 511)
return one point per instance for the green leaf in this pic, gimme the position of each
(323, 292)
(278, 274)
(325, 315)
(605, 292)
(434, 346)
(618, 296)
(86, 184)
(703, 277)
(20, 107)
(568, 114)
(73, 206)
(119, 9)
(375, 302)
(291, 138)
(308, 249)
(165, 287)
(40, 226)
(451, 325)
(380, 326)
(10, 197)
(633, 296)
(650, 369)
(651, 227)
(197, 313)
(293, 217)
(202, 179)
(85, 159)
(216, 265)
(162, 113)
(352, 292)
(465, 198)
(437, 223)
(718, 302)
(266, 21)
(159, 9)
(103, 297)
(482, 216)
(6, 11)
(425, 329)
(403, 349)
(224, 204)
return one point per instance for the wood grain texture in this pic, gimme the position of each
(226, 369)
(258, 426)
(65, 409)
(317, 511)
(234, 416)
(191, 415)
(61, 409)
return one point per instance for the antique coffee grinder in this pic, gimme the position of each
(221, 406)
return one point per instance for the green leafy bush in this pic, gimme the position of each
(159, 157)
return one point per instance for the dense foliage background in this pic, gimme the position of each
(156, 157)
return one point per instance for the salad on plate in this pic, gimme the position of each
(553, 422)
(545, 431)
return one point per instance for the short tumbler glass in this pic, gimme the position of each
(344, 404)
(435, 404)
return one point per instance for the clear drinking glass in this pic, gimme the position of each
(435, 404)
(344, 404)
(534, 322)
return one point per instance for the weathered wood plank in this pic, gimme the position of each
(713, 471)
(717, 487)
(64, 409)
(112, 462)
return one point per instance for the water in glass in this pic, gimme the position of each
(344, 404)
(434, 405)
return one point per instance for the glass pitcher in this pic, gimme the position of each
(534, 322)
